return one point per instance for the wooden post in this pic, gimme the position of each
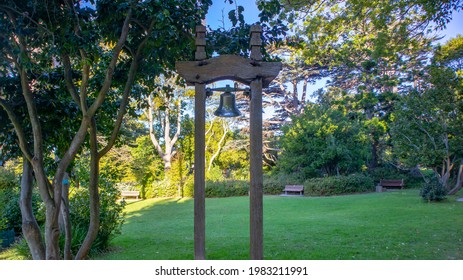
(200, 157)
(256, 188)
(250, 71)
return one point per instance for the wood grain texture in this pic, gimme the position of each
(256, 189)
(233, 67)
(199, 173)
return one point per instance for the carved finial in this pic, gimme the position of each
(200, 42)
(256, 42)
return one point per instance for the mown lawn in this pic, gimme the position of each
(393, 225)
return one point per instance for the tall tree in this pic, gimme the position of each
(98, 47)
(428, 128)
(367, 48)
(323, 140)
(164, 115)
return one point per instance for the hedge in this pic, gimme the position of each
(338, 185)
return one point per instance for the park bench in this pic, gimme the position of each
(294, 188)
(135, 194)
(388, 184)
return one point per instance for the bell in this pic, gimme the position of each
(227, 107)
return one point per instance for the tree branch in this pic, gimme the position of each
(18, 128)
(111, 67)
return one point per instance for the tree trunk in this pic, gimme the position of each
(52, 206)
(219, 145)
(65, 218)
(374, 155)
(295, 98)
(30, 228)
(304, 94)
(94, 225)
(459, 183)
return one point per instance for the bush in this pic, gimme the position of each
(188, 187)
(275, 183)
(433, 191)
(10, 212)
(412, 178)
(226, 188)
(111, 216)
(338, 185)
(163, 188)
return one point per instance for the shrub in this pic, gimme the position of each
(10, 212)
(433, 191)
(412, 178)
(111, 216)
(338, 185)
(7, 179)
(226, 188)
(2, 227)
(188, 187)
(163, 188)
(275, 183)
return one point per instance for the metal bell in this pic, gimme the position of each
(227, 107)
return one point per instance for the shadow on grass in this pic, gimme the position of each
(393, 225)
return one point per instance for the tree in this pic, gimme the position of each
(367, 48)
(323, 141)
(98, 47)
(427, 129)
(164, 116)
(451, 54)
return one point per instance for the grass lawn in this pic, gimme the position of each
(392, 225)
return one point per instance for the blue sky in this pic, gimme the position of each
(214, 17)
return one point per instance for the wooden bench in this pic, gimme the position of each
(294, 188)
(385, 184)
(130, 194)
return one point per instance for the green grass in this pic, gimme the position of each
(393, 225)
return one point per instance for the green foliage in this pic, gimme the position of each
(111, 216)
(20, 250)
(275, 183)
(10, 213)
(2, 228)
(451, 54)
(177, 181)
(233, 160)
(413, 178)
(336, 185)
(146, 165)
(2, 225)
(161, 188)
(226, 188)
(427, 128)
(433, 190)
(8, 180)
(236, 39)
(322, 141)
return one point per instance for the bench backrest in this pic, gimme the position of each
(130, 193)
(294, 188)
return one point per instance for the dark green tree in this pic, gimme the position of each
(323, 141)
(427, 129)
(98, 48)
